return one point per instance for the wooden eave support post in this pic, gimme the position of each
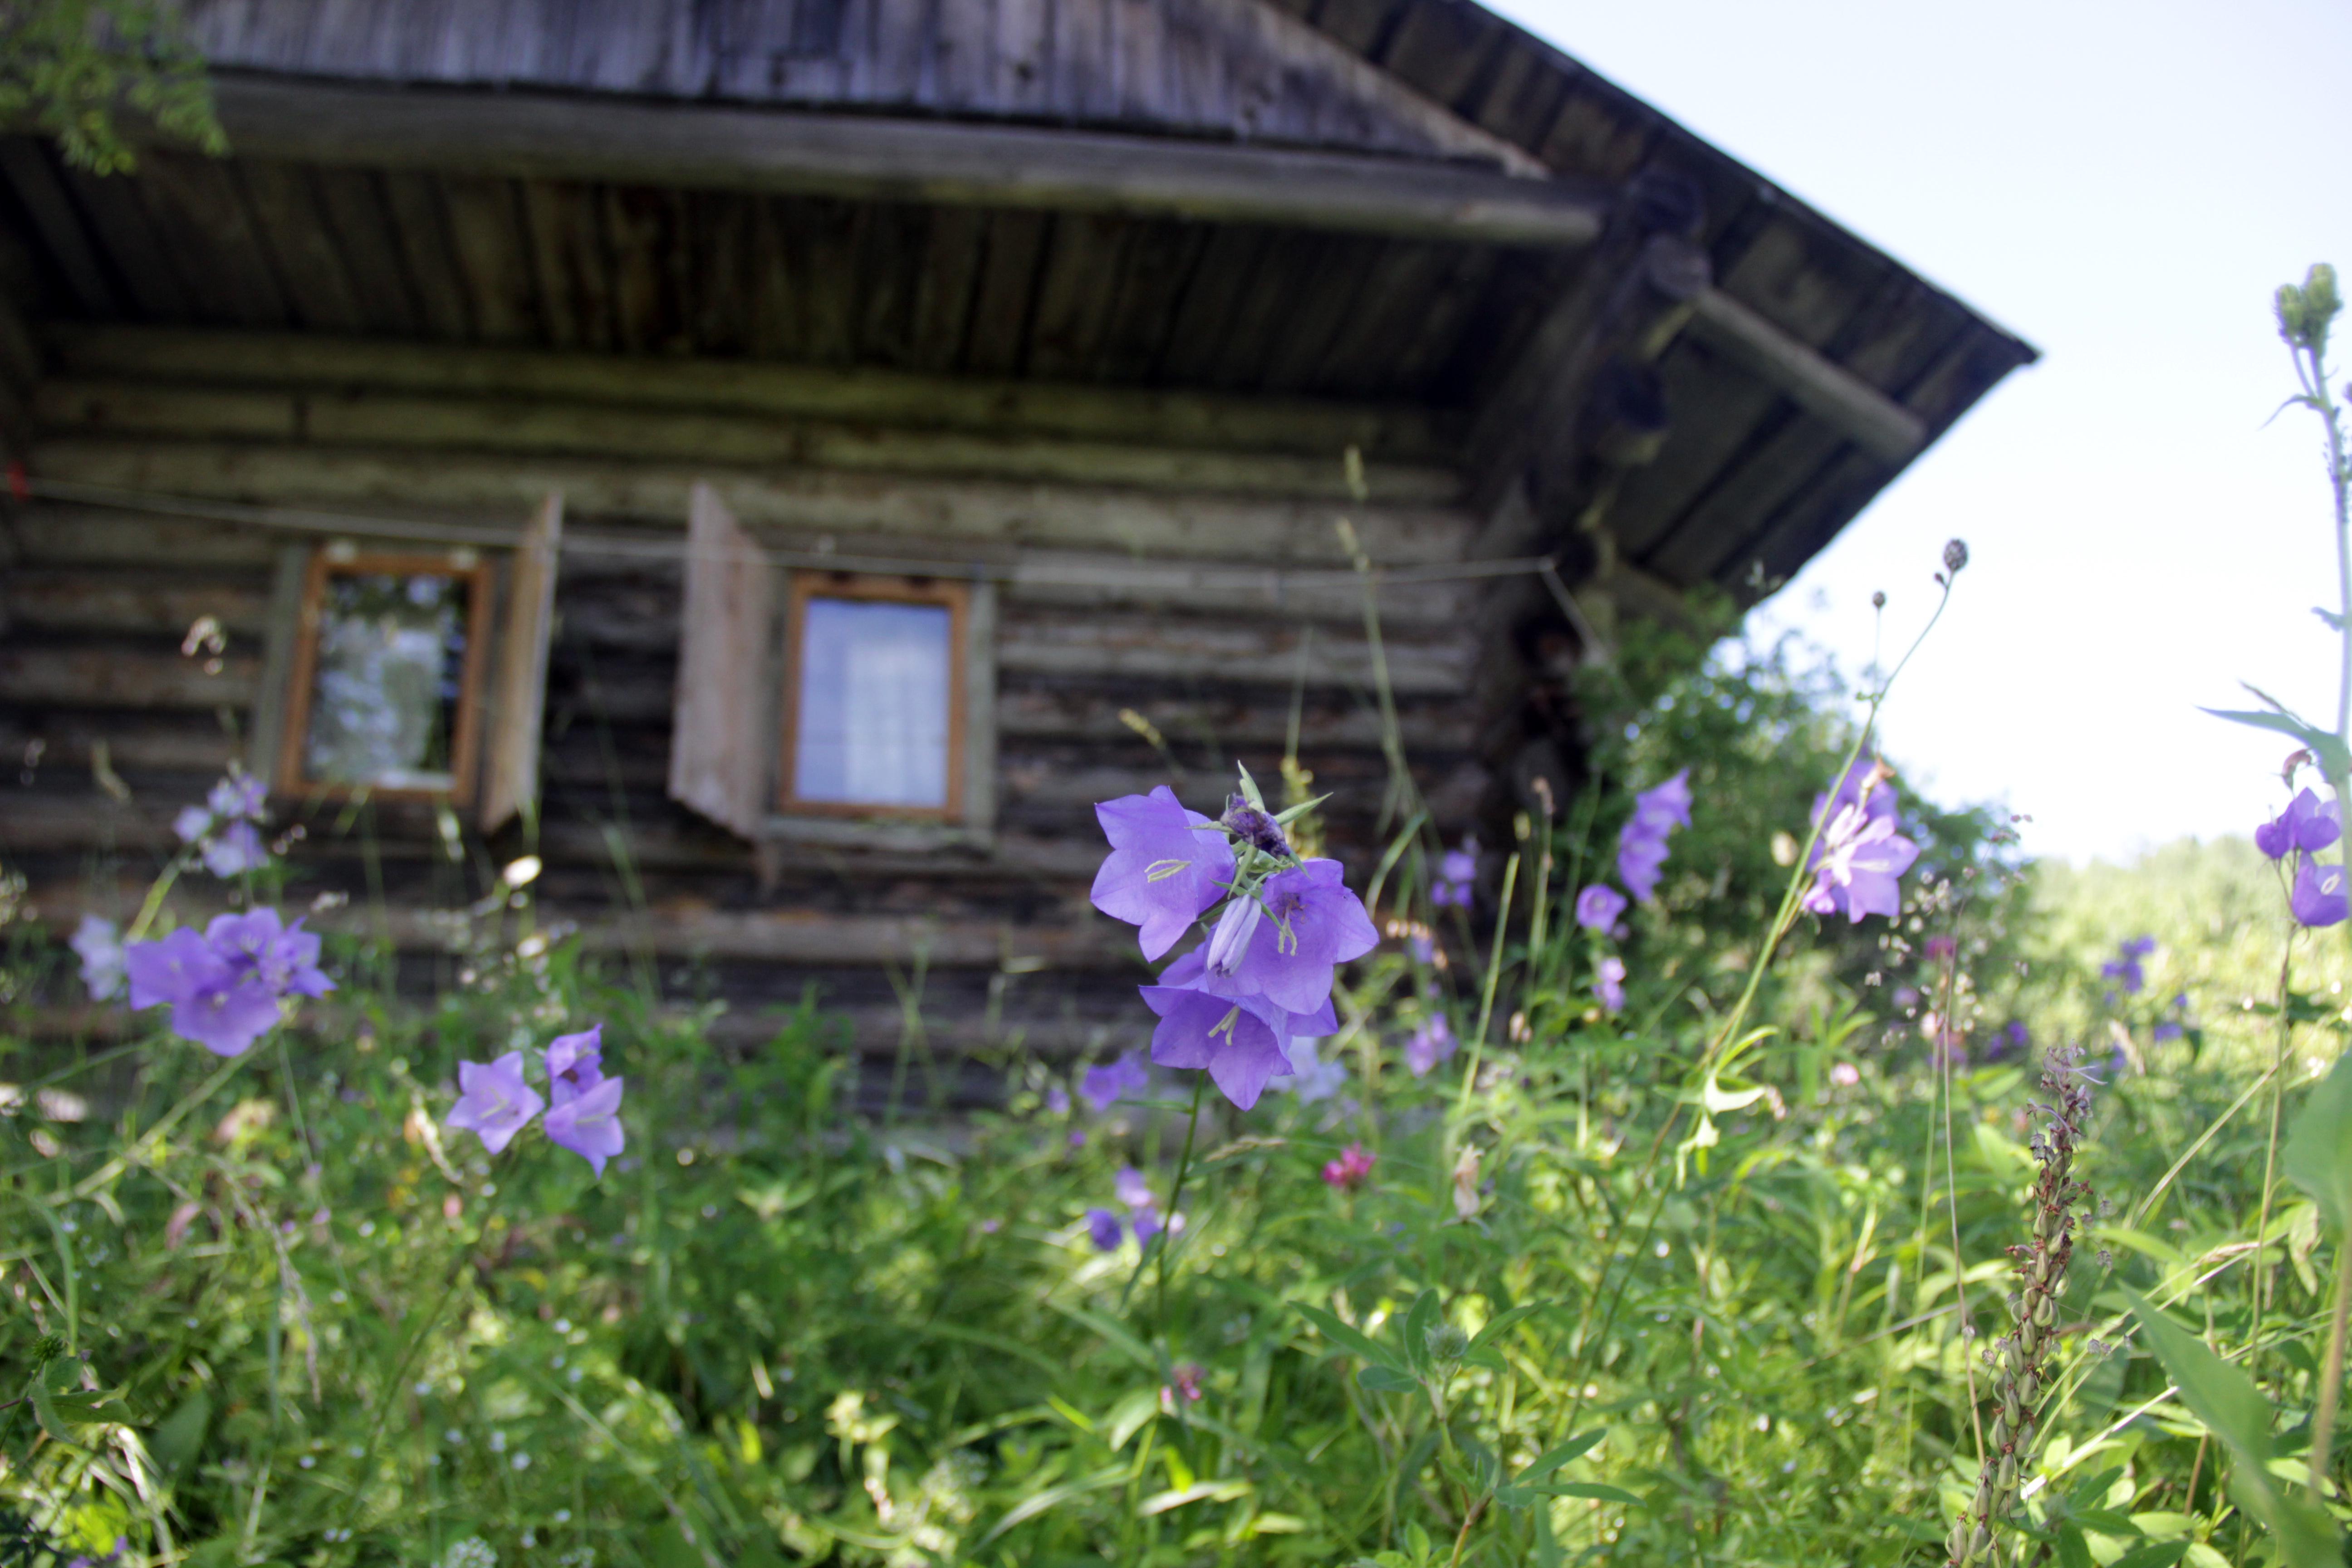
(869, 157)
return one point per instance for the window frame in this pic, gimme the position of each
(465, 746)
(955, 596)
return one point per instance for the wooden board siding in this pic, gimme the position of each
(1166, 603)
(1235, 69)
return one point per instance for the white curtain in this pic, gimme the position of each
(874, 693)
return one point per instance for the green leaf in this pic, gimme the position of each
(1249, 789)
(2331, 752)
(177, 1440)
(1348, 1339)
(1289, 815)
(1383, 1379)
(1575, 1448)
(1419, 1319)
(1593, 1490)
(2154, 1554)
(2106, 1521)
(2319, 1145)
(1514, 1497)
(1503, 1322)
(2234, 1409)
(2074, 1552)
(1053, 1497)
(2091, 1491)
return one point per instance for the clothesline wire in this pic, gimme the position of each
(293, 520)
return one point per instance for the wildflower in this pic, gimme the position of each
(1183, 1379)
(1106, 1085)
(586, 1121)
(1057, 1101)
(1940, 948)
(1287, 945)
(1431, 1042)
(1132, 1189)
(1609, 984)
(1352, 1170)
(1846, 1075)
(1467, 1199)
(2126, 971)
(1860, 856)
(2305, 825)
(238, 797)
(1456, 870)
(1255, 828)
(575, 1063)
(1104, 1227)
(1598, 906)
(100, 947)
(236, 849)
(285, 958)
(1239, 1040)
(1167, 864)
(2318, 898)
(1147, 1225)
(212, 1003)
(1312, 1077)
(495, 1103)
(193, 823)
(1641, 842)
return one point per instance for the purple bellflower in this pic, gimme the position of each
(1167, 866)
(1104, 1227)
(1132, 1189)
(236, 849)
(1239, 1040)
(1147, 1225)
(585, 1121)
(1287, 944)
(98, 945)
(1860, 857)
(575, 1063)
(1598, 906)
(238, 797)
(2306, 825)
(1641, 842)
(495, 1103)
(1609, 984)
(1107, 1084)
(1312, 1077)
(193, 823)
(221, 1005)
(2320, 897)
(1431, 1042)
(2128, 970)
(284, 958)
(1457, 869)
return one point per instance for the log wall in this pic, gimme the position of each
(1200, 586)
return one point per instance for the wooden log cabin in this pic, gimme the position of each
(781, 461)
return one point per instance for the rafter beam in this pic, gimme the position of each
(530, 135)
(1830, 393)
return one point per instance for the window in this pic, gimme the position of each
(831, 707)
(386, 688)
(872, 695)
(409, 671)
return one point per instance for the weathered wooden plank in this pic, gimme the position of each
(1300, 342)
(1076, 293)
(355, 210)
(642, 228)
(77, 536)
(824, 240)
(888, 275)
(554, 232)
(721, 264)
(1310, 426)
(75, 676)
(203, 215)
(1036, 709)
(1831, 393)
(26, 166)
(527, 137)
(289, 225)
(1224, 652)
(1220, 287)
(945, 289)
(1212, 527)
(719, 751)
(150, 603)
(129, 406)
(517, 711)
(113, 205)
(1159, 262)
(422, 230)
(136, 743)
(492, 263)
(779, 326)
(1005, 301)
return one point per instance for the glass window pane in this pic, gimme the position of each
(874, 697)
(391, 663)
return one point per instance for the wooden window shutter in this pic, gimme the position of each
(518, 701)
(722, 734)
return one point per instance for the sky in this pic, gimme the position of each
(2123, 185)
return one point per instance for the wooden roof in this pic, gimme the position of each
(1368, 200)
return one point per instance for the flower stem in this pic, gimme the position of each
(2331, 1380)
(1494, 974)
(1175, 1195)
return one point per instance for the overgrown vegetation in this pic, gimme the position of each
(1723, 1268)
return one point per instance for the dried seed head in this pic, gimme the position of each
(1956, 555)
